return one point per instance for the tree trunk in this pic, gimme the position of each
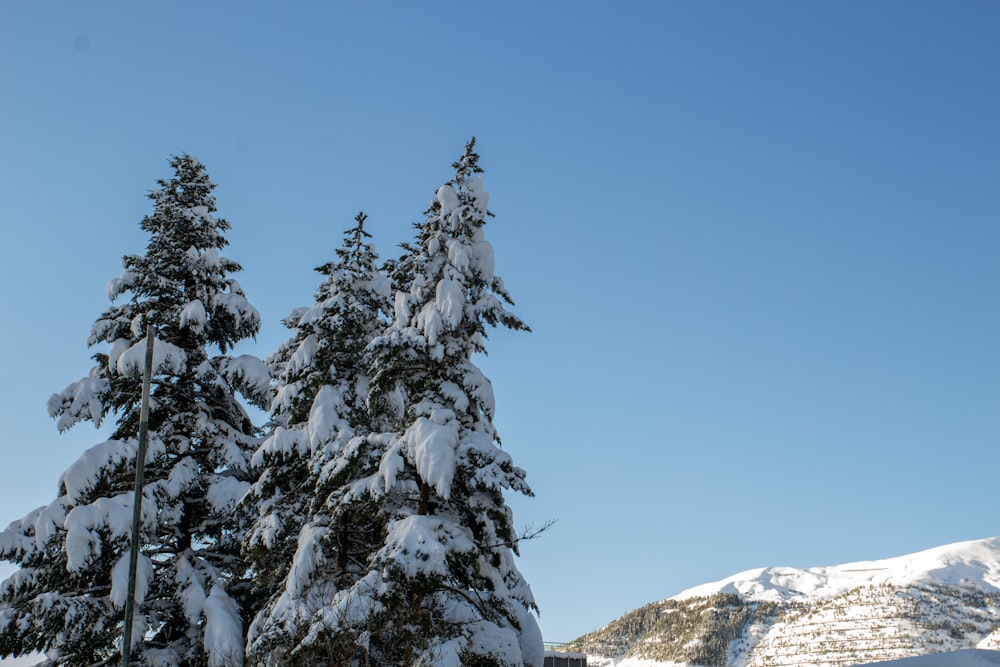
(424, 506)
(423, 509)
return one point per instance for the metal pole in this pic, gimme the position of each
(140, 464)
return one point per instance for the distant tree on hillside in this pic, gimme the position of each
(66, 599)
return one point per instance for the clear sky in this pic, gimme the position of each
(758, 244)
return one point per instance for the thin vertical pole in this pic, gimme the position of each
(140, 465)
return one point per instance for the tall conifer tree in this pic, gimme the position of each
(312, 538)
(444, 586)
(67, 597)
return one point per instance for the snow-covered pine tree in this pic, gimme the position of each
(66, 600)
(311, 538)
(445, 587)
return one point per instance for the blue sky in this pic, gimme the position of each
(758, 244)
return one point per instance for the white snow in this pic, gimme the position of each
(193, 315)
(431, 447)
(223, 630)
(210, 256)
(14, 544)
(184, 473)
(448, 199)
(419, 545)
(454, 393)
(284, 397)
(483, 259)
(84, 473)
(167, 358)
(478, 449)
(192, 592)
(294, 318)
(118, 285)
(84, 523)
(450, 299)
(480, 388)
(282, 442)
(119, 580)
(325, 417)
(207, 258)
(303, 356)
(82, 546)
(225, 491)
(974, 562)
(114, 514)
(530, 640)
(266, 530)
(389, 467)
(18, 581)
(428, 322)
(476, 186)
(501, 643)
(117, 347)
(49, 520)
(80, 400)
(237, 305)
(308, 556)
(401, 307)
(458, 254)
(447, 654)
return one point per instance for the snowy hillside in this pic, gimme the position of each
(935, 601)
(975, 563)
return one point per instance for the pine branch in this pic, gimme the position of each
(528, 533)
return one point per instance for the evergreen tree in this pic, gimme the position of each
(443, 589)
(312, 537)
(66, 599)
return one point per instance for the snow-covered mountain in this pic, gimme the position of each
(939, 600)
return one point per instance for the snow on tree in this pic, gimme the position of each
(311, 539)
(444, 589)
(66, 600)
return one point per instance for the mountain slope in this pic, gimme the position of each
(942, 599)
